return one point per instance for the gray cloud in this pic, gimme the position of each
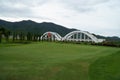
(12, 11)
(20, 8)
(30, 3)
(83, 5)
(93, 15)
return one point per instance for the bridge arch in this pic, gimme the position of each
(80, 36)
(51, 36)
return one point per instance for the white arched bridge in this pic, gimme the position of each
(82, 36)
(51, 36)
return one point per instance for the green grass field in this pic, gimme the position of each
(106, 68)
(56, 61)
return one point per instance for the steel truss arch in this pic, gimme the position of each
(82, 35)
(51, 35)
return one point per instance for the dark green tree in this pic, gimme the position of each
(39, 37)
(29, 36)
(35, 36)
(2, 32)
(21, 36)
(7, 34)
(14, 36)
(0, 36)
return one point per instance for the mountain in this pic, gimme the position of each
(34, 27)
(112, 39)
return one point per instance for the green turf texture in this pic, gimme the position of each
(106, 68)
(51, 61)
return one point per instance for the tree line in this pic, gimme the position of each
(18, 36)
(22, 37)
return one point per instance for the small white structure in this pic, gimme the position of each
(72, 36)
(51, 36)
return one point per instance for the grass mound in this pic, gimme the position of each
(106, 68)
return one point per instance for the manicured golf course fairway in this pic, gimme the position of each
(58, 61)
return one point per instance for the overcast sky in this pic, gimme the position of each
(96, 16)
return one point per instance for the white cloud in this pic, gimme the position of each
(97, 16)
